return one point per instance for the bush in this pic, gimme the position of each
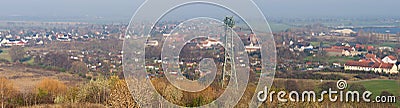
(366, 76)
(309, 75)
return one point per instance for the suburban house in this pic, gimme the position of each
(352, 52)
(339, 50)
(390, 59)
(208, 43)
(13, 42)
(344, 32)
(252, 48)
(374, 64)
(152, 43)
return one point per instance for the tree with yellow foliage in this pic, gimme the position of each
(120, 95)
(50, 88)
(6, 91)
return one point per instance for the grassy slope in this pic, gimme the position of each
(5, 55)
(377, 86)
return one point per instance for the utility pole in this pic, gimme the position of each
(229, 50)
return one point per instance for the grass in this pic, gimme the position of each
(73, 105)
(377, 86)
(5, 55)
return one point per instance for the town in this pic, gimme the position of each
(85, 51)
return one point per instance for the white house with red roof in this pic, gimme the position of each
(372, 63)
(13, 42)
(208, 43)
(390, 59)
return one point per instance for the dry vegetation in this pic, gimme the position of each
(25, 78)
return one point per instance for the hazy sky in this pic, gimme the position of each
(125, 8)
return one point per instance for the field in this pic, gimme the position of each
(4, 55)
(377, 86)
(75, 105)
(25, 78)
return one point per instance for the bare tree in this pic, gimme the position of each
(79, 67)
(17, 53)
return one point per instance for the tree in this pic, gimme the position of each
(362, 39)
(96, 91)
(173, 94)
(79, 67)
(386, 93)
(16, 53)
(291, 85)
(141, 91)
(357, 87)
(6, 91)
(49, 89)
(120, 95)
(55, 59)
(105, 69)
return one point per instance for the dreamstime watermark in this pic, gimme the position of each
(333, 95)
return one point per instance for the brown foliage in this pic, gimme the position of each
(52, 86)
(7, 91)
(120, 96)
(16, 53)
(55, 59)
(79, 67)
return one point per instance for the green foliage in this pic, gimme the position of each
(377, 86)
(96, 91)
(42, 93)
(309, 75)
(197, 102)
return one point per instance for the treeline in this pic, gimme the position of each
(112, 92)
(309, 75)
(372, 74)
(59, 60)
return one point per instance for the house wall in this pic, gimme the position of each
(393, 70)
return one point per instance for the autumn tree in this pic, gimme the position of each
(16, 53)
(141, 91)
(79, 68)
(72, 95)
(49, 89)
(172, 94)
(96, 91)
(56, 59)
(105, 69)
(291, 85)
(6, 91)
(120, 95)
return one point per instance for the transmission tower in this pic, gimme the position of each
(229, 51)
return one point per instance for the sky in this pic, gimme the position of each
(126, 8)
